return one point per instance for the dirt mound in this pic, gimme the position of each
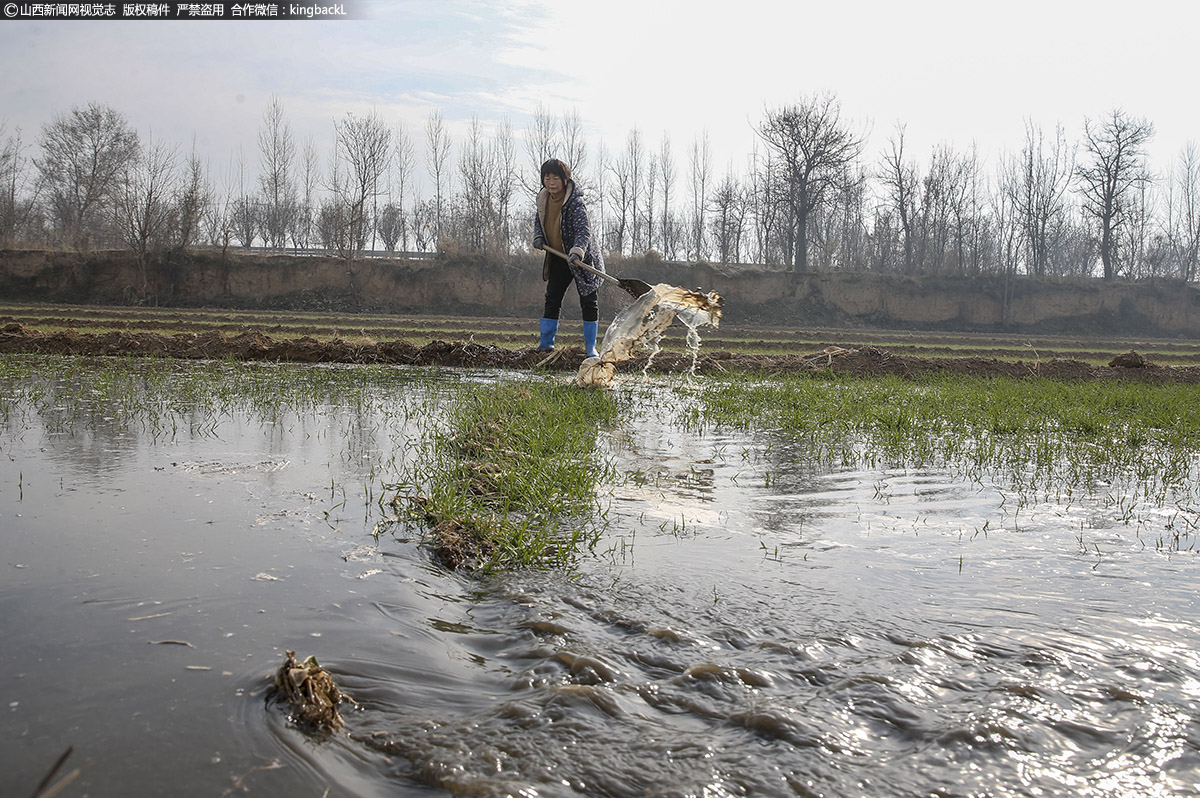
(864, 361)
(1129, 360)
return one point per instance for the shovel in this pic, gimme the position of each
(635, 287)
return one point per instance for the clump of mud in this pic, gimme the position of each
(641, 326)
(1129, 360)
(456, 542)
(312, 693)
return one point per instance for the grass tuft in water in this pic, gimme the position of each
(510, 478)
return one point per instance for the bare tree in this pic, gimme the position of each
(701, 170)
(573, 143)
(404, 160)
(16, 209)
(934, 220)
(333, 220)
(244, 216)
(769, 214)
(424, 224)
(388, 224)
(505, 156)
(635, 167)
(598, 193)
(899, 178)
(649, 205)
(1007, 224)
(143, 212)
(1113, 169)
(814, 148)
(948, 202)
(84, 155)
(666, 219)
(479, 225)
(838, 230)
(541, 144)
(1040, 184)
(245, 220)
(621, 196)
(218, 228)
(191, 203)
(277, 154)
(364, 147)
(217, 219)
(437, 155)
(1136, 245)
(728, 217)
(333, 226)
(968, 207)
(301, 229)
(1077, 251)
(1182, 223)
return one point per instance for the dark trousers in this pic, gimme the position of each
(556, 288)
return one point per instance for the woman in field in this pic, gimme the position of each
(562, 224)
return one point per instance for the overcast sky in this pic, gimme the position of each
(960, 72)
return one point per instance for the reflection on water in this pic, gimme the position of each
(751, 624)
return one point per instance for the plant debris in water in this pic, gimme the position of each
(311, 691)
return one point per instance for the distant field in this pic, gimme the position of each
(517, 334)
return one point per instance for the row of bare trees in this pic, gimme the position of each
(1053, 208)
(809, 196)
(96, 183)
(809, 200)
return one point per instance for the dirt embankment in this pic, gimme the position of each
(513, 287)
(864, 361)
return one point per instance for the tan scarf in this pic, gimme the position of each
(552, 224)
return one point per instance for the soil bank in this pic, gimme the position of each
(512, 286)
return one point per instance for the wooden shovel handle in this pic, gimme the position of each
(581, 264)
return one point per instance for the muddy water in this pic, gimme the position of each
(640, 327)
(752, 624)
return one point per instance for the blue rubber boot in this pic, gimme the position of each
(590, 328)
(549, 330)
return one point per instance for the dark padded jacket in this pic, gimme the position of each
(576, 235)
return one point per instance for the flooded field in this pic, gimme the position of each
(765, 609)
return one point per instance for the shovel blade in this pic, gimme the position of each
(636, 288)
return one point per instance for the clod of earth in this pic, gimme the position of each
(312, 693)
(457, 543)
(1129, 360)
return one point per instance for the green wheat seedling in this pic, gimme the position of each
(1136, 444)
(162, 396)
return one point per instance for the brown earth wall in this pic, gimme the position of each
(473, 285)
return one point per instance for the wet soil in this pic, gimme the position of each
(862, 361)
